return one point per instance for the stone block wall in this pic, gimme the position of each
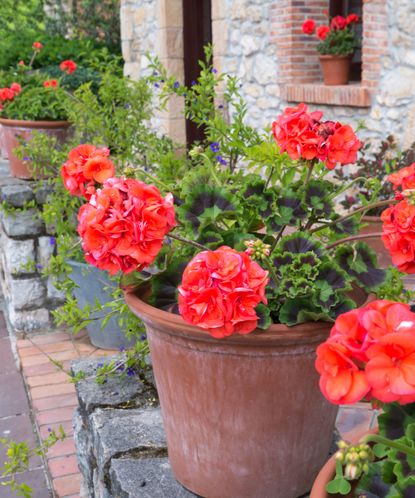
(25, 248)
(120, 440)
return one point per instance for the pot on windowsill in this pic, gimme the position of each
(15, 131)
(244, 416)
(335, 69)
(90, 287)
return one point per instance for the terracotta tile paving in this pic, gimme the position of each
(53, 400)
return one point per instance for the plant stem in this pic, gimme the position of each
(208, 163)
(277, 238)
(343, 189)
(272, 273)
(354, 237)
(187, 241)
(390, 443)
(356, 211)
(155, 180)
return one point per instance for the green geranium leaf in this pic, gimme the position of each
(264, 318)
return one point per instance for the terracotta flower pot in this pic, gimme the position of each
(336, 69)
(3, 150)
(374, 225)
(244, 416)
(13, 130)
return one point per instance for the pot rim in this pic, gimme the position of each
(277, 333)
(21, 123)
(332, 56)
(372, 218)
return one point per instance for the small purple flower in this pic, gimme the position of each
(176, 84)
(143, 337)
(39, 267)
(156, 85)
(214, 71)
(220, 106)
(52, 241)
(193, 83)
(130, 372)
(155, 73)
(214, 147)
(221, 160)
(184, 94)
(100, 365)
(162, 81)
(127, 106)
(26, 158)
(122, 349)
(49, 429)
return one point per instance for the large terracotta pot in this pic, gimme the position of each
(13, 130)
(244, 416)
(335, 69)
(374, 225)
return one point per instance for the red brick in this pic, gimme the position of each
(67, 427)
(67, 485)
(63, 466)
(46, 348)
(43, 339)
(45, 368)
(55, 416)
(53, 402)
(48, 379)
(53, 390)
(61, 448)
(41, 358)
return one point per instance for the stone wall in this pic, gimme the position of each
(247, 35)
(120, 440)
(25, 248)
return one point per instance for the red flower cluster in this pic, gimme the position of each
(399, 234)
(404, 179)
(304, 135)
(86, 165)
(220, 290)
(67, 66)
(123, 225)
(337, 23)
(370, 354)
(50, 83)
(37, 46)
(9, 93)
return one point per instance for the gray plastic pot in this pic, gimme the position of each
(90, 286)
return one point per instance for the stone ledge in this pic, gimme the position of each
(354, 95)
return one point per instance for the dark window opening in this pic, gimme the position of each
(197, 32)
(344, 8)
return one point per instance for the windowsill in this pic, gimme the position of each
(353, 95)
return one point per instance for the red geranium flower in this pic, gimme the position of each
(399, 235)
(342, 146)
(123, 225)
(309, 26)
(15, 88)
(370, 353)
(37, 46)
(404, 178)
(6, 94)
(322, 32)
(86, 165)
(50, 83)
(391, 368)
(338, 22)
(341, 380)
(351, 18)
(68, 66)
(220, 290)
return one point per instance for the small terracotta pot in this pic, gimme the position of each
(14, 129)
(244, 416)
(335, 69)
(374, 225)
(327, 473)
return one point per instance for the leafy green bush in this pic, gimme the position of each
(38, 104)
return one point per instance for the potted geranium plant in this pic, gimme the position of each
(337, 43)
(374, 176)
(233, 301)
(38, 104)
(370, 355)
